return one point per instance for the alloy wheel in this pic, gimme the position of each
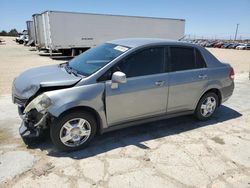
(75, 132)
(208, 106)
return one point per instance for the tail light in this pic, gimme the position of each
(231, 75)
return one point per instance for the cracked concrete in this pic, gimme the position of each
(14, 162)
(179, 152)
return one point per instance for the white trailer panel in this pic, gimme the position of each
(66, 30)
(39, 30)
(36, 28)
(31, 30)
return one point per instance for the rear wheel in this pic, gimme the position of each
(73, 131)
(207, 106)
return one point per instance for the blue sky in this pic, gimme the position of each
(210, 18)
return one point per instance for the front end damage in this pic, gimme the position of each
(36, 118)
(34, 124)
(29, 93)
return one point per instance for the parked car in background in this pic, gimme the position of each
(119, 84)
(243, 47)
(18, 38)
(22, 39)
(2, 41)
(233, 46)
(210, 44)
(228, 45)
(240, 47)
(26, 40)
(218, 45)
(247, 47)
(225, 45)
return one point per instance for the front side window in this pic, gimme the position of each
(95, 58)
(145, 62)
(182, 58)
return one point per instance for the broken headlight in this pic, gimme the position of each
(40, 103)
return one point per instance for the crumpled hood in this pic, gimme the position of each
(29, 82)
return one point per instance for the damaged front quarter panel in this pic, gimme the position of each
(90, 96)
(35, 117)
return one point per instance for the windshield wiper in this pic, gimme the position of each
(70, 70)
(63, 64)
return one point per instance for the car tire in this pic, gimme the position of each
(78, 127)
(205, 109)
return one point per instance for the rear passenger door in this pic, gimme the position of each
(187, 78)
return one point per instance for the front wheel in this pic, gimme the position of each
(73, 131)
(207, 106)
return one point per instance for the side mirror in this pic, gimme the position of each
(118, 78)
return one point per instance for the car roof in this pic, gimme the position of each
(137, 42)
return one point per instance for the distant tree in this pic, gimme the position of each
(3, 33)
(13, 32)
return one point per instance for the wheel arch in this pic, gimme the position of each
(214, 90)
(217, 92)
(88, 110)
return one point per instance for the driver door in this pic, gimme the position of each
(145, 93)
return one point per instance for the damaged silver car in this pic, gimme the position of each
(119, 84)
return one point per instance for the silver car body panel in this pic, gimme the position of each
(90, 96)
(140, 99)
(120, 102)
(182, 81)
(29, 82)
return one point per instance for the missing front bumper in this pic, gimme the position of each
(27, 132)
(30, 136)
(33, 130)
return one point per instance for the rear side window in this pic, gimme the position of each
(182, 58)
(200, 63)
(145, 62)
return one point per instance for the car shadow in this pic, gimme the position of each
(138, 134)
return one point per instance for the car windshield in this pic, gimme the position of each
(95, 58)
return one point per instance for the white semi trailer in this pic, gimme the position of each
(31, 32)
(39, 31)
(71, 32)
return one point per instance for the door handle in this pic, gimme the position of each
(202, 76)
(159, 83)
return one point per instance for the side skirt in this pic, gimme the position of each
(145, 120)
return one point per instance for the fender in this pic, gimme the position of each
(90, 96)
(212, 84)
